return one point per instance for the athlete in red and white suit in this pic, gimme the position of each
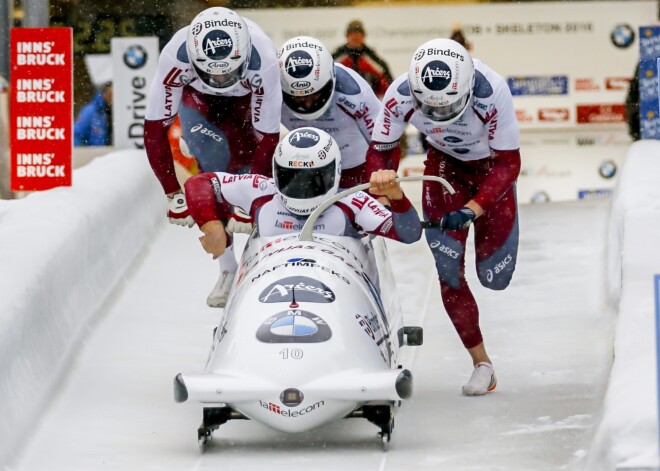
(227, 130)
(220, 76)
(466, 110)
(306, 172)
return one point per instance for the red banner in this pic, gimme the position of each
(41, 123)
(610, 113)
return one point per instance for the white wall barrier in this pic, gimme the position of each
(627, 437)
(556, 166)
(75, 244)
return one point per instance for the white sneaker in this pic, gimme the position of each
(220, 293)
(482, 381)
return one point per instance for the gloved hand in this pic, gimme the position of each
(239, 222)
(177, 211)
(457, 220)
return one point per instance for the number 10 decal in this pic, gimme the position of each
(295, 353)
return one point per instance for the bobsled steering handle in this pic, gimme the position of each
(308, 229)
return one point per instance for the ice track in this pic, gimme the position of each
(548, 334)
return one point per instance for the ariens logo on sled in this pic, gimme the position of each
(303, 288)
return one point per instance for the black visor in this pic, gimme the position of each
(222, 81)
(305, 183)
(309, 103)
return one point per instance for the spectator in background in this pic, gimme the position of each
(93, 127)
(458, 36)
(632, 107)
(356, 55)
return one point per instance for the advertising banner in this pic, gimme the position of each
(649, 52)
(134, 63)
(41, 125)
(555, 56)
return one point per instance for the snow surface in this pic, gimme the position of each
(113, 358)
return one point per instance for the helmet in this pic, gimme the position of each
(441, 77)
(306, 169)
(307, 76)
(219, 48)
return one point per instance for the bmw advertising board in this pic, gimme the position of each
(134, 62)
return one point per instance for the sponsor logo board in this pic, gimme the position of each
(538, 85)
(41, 128)
(601, 113)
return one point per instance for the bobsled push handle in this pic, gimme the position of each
(308, 229)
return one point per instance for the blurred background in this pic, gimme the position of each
(95, 22)
(569, 64)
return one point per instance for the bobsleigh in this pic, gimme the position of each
(311, 333)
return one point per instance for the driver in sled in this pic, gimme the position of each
(306, 171)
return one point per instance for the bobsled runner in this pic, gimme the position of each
(311, 333)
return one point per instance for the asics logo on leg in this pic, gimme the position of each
(502, 265)
(207, 132)
(440, 247)
(498, 268)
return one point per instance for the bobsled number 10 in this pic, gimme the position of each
(311, 333)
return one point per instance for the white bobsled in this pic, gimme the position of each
(311, 333)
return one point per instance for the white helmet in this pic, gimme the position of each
(307, 76)
(441, 77)
(219, 48)
(306, 169)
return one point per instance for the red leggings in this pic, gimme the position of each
(495, 236)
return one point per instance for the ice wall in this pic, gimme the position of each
(62, 252)
(627, 436)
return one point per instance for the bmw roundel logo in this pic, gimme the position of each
(217, 45)
(294, 326)
(436, 75)
(622, 36)
(304, 138)
(299, 64)
(607, 169)
(135, 56)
